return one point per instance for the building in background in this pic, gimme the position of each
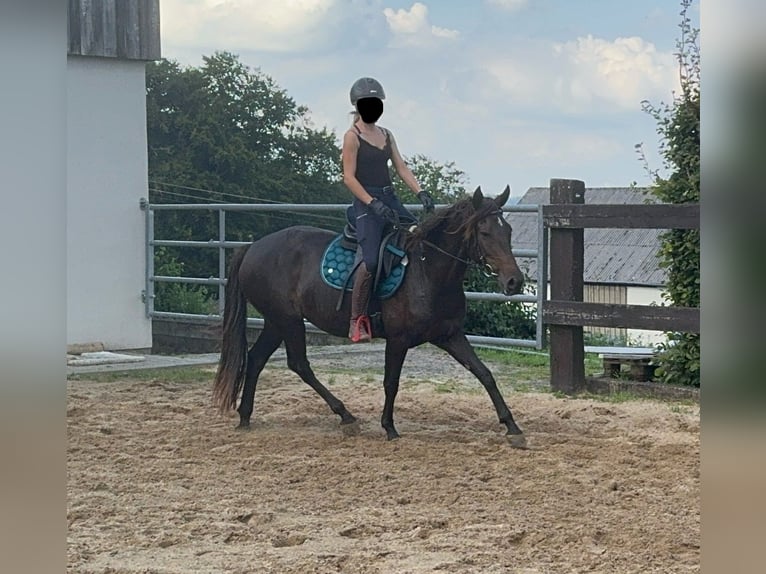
(109, 43)
(621, 265)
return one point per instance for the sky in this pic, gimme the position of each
(514, 92)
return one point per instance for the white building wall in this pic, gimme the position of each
(106, 177)
(645, 296)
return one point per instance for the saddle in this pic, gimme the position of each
(343, 256)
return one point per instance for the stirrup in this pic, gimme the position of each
(360, 329)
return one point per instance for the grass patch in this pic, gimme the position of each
(524, 388)
(514, 365)
(445, 388)
(514, 357)
(676, 405)
(529, 365)
(615, 397)
(190, 374)
(529, 358)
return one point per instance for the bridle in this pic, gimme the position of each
(481, 261)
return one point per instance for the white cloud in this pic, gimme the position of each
(412, 27)
(621, 73)
(269, 25)
(409, 21)
(588, 72)
(509, 4)
(444, 32)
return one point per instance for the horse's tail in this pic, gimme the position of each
(232, 366)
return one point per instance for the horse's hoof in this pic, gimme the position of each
(351, 428)
(392, 435)
(243, 426)
(517, 441)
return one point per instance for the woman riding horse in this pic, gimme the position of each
(279, 274)
(367, 149)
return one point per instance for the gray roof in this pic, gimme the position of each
(614, 256)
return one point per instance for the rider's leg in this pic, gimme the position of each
(359, 329)
(369, 232)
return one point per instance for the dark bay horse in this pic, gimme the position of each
(279, 275)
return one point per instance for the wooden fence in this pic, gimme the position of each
(566, 313)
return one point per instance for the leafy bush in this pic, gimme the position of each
(678, 125)
(178, 297)
(492, 319)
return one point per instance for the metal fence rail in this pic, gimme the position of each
(222, 245)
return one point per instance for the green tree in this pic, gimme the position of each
(678, 125)
(223, 132)
(228, 128)
(444, 181)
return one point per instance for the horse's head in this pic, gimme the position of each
(492, 235)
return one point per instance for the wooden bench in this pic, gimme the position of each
(638, 359)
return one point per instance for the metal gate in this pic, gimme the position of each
(222, 245)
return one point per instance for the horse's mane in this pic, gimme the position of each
(459, 218)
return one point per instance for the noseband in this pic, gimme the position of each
(481, 261)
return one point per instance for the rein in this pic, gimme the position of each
(486, 268)
(447, 253)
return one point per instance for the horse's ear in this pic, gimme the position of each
(478, 198)
(503, 197)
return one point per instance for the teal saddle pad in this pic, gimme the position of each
(338, 262)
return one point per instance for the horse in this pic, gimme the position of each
(279, 275)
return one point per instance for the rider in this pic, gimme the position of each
(367, 149)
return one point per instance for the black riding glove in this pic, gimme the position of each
(427, 201)
(384, 212)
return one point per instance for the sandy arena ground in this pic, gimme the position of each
(159, 483)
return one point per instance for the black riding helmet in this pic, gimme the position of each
(366, 88)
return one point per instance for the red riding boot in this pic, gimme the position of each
(360, 331)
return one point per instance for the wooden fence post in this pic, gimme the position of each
(566, 281)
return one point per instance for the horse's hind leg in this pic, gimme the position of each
(268, 342)
(461, 350)
(295, 343)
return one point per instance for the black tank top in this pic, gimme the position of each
(372, 162)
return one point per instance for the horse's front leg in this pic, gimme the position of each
(459, 347)
(395, 355)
